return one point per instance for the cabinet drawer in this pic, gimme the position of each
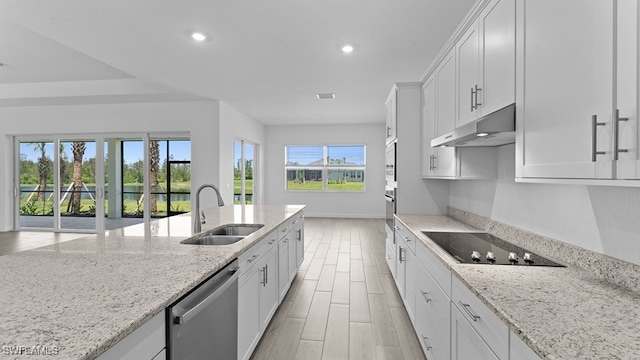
(289, 224)
(435, 267)
(492, 330)
(390, 255)
(247, 259)
(407, 236)
(433, 316)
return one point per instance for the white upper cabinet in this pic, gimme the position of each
(438, 117)
(497, 30)
(468, 79)
(446, 91)
(392, 116)
(627, 166)
(486, 63)
(569, 90)
(428, 126)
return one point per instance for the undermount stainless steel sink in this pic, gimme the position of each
(213, 240)
(235, 229)
(223, 235)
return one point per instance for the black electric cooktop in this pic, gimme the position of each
(483, 248)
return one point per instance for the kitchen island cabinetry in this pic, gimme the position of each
(145, 343)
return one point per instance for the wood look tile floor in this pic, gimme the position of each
(343, 304)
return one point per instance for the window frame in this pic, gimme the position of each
(325, 168)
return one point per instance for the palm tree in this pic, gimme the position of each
(154, 168)
(44, 165)
(78, 149)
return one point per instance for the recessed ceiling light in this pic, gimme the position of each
(347, 49)
(198, 36)
(482, 134)
(326, 96)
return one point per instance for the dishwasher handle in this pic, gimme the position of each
(183, 317)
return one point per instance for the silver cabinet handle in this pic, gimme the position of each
(407, 238)
(476, 92)
(467, 309)
(472, 105)
(401, 254)
(388, 131)
(252, 258)
(424, 295)
(616, 135)
(271, 242)
(295, 222)
(594, 137)
(426, 344)
(266, 274)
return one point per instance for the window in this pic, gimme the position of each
(325, 168)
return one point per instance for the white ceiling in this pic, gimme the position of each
(266, 58)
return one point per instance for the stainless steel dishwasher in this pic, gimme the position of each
(204, 323)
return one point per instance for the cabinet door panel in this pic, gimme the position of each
(269, 289)
(497, 27)
(465, 341)
(299, 245)
(566, 79)
(428, 125)
(433, 317)
(248, 312)
(446, 95)
(627, 92)
(467, 59)
(283, 267)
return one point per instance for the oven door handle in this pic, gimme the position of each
(184, 317)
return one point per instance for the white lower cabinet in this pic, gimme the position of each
(484, 321)
(518, 350)
(146, 342)
(283, 267)
(450, 321)
(466, 343)
(432, 316)
(267, 270)
(257, 299)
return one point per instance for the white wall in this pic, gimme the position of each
(600, 218)
(369, 203)
(199, 118)
(235, 125)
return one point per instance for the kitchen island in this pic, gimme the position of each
(558, 312)
(76, 299)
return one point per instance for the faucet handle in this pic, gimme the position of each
(203, 219)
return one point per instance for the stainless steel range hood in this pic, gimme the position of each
(495, 129)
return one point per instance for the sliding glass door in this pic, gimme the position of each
(244, 170)
(93, 183)
(36, 184)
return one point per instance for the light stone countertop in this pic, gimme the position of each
(81, 297)
(561, 313)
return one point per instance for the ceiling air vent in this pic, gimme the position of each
(326, 96)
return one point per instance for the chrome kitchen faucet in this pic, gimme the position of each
(197, 225)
